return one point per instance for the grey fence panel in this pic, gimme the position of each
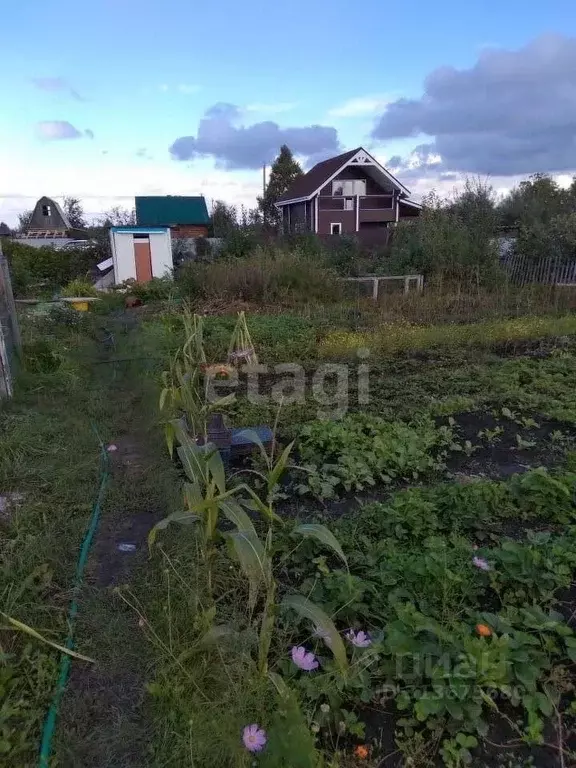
(545, 271)
(10, 343)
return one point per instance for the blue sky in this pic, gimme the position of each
(96, 95)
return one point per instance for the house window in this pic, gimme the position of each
(357, 187)
(46, 210)
(348, 204)
(336, 228)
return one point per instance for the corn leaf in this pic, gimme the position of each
(234, 512)
(250, 553)
(253, 436)
(323, 625)
(169, 435)
(222, 402)
(193, 496)
(193, 458)
(217, 634)
(278, 683)
(278, 469)
(33, 633)
(183, 518)
(259, 505)
(324, 535)
(215, 466)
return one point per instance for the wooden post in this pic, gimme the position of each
(6, 287)
(375, 289)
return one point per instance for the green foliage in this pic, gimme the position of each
(277, 338)
(455, 240)
(75, 212)
(43, 271)
(265, 276)
(535, 201)
(79, 288)
(360, 451)
(285, 170)
(555, 237)
(239, 244)
(156, 289)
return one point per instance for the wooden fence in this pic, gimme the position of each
(545, 271)
(9, 333)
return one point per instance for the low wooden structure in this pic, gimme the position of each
(416, 280)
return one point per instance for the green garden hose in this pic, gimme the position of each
(65, 659)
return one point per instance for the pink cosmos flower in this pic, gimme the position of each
(304, 660)
(254, 738)
(359, 639)
(479, 562)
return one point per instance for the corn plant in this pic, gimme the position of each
(255, 558)
(185, 387)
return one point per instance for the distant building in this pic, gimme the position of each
(187, 217)
(350, 194)
(5, 230)
(49, 225)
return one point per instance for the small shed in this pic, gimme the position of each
(140, 253)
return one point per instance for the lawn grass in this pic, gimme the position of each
(51, 455)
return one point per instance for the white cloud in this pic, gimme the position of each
(56, 130)
(272, 108)
(361, 106)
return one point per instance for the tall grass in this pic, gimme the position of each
(267, 276)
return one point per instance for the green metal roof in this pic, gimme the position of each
(169, 211)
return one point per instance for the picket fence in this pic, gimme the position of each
(545, 271)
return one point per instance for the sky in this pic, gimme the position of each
(116, 98)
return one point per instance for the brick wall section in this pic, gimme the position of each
(189, 231)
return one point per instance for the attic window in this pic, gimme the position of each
(349, 188)
(46, 210)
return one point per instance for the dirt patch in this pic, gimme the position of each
(501, 447)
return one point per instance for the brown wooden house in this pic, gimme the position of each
(346, 195)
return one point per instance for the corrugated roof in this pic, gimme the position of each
(308, 184)
(171, 211)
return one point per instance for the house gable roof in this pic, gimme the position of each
(56, 219)
(311, 183)
(171, 211)
(317, 176)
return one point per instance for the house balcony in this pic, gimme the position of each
(370, 207)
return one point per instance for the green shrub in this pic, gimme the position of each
(156, 289)
(43, 271)
(79, 288)
(266, 277)
(556, 238)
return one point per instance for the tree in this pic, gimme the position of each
(224, 218)
(24, 219)
(75, 212)
(285, 170)
(536, 200)
(117, 217)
